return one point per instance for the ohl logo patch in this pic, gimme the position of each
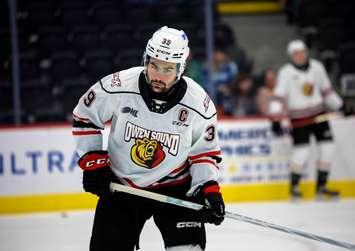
(147, 153)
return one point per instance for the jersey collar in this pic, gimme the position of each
(171, 99)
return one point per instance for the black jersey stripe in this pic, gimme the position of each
(80, 124)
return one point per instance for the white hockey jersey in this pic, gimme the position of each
(149, 148)
(306, 93)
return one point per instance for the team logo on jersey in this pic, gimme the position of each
(307, 89)
(115, 81)
(168, 140)
(147, 153)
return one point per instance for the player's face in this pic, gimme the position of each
(161, 75)
(299, 57)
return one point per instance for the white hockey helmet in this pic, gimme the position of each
(170, 45)
(295, 45)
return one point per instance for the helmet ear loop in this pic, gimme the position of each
(183, 66)
(144, 59)
(145, 62)
(180, 69)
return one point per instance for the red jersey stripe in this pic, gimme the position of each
(80, 118)
(175, 182)
(205, 161)
(212, 153)
(81, 133)
(183, 166)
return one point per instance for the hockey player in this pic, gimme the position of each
(163, 138)
(304, 89)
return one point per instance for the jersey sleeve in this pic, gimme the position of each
(280, 89)
(205, 154)
(94, 108)
(277, 104)
(323, 78)
(331, 99)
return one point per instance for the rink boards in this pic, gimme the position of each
(38, 170)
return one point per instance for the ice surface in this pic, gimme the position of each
(70, 231)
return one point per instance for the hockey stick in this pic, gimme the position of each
(326, 117)
(114, 187)
(317, 120)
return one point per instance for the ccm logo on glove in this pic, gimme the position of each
(188, 224)
(94, 160)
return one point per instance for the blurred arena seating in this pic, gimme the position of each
(327, 26)
(66, 46)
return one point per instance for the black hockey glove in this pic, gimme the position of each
(347, 109)
(276, 128)
(209, 195)
(97, 173)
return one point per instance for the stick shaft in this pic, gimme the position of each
(317, 120)
(290, 231)
(326, 117)
(114, 187)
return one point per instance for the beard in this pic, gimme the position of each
(158, 85)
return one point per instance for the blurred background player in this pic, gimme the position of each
(163, 138)
(304, 89)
